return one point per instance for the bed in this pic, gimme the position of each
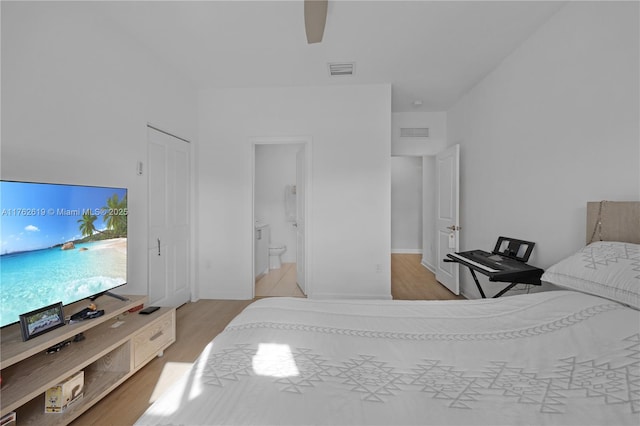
(570, 356)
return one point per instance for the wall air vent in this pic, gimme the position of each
(414, 132)
(341, 68)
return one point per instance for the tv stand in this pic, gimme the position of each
(116, 345)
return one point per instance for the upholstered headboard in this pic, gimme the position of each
(613, 221)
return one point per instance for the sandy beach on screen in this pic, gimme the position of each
(119, 244)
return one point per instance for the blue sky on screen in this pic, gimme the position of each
(35, 216)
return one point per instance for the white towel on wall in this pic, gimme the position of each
(290, 203)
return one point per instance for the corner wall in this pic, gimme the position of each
(77, 94)
(406, 205)
(554, 126)
(427, 149)
(349, 218)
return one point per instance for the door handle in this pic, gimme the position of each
(159, 247)
(453, 228)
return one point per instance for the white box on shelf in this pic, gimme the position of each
(60, 397)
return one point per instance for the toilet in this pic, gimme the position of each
(275, 250)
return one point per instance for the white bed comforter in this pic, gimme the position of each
(548, 358)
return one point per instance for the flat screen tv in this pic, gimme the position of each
(59, 243)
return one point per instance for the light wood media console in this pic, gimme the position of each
(116, 345)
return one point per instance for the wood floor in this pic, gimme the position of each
(412, 281)
(279, 282)
(198, 323)
(409, 281)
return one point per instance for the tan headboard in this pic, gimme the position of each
(613, 221)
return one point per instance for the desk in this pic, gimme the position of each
(512, 271)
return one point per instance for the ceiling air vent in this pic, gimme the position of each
(341, 68)
(414, 132)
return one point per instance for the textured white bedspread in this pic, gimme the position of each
(547, 358)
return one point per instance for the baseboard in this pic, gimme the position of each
(466, 296)
(428, 266)
(225, 295)
(406, 251)
(320, 296)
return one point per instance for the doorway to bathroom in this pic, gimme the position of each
(281, 170)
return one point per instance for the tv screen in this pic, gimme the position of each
(59, 243)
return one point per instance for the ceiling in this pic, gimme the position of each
(433, 51)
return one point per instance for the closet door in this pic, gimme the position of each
(169, 219)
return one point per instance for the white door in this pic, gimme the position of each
(169, 219)
(301, 171)
(447, 216)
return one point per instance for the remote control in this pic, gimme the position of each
(149, 309)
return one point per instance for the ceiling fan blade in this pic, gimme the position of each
(315, 17)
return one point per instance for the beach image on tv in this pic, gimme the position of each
(59, 243)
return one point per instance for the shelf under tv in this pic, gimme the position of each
(116, 345)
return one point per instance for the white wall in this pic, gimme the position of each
(554, 126)
(406, 204)
(436, 122)
(77, 95)
(275, 169)
(426, 148)
(349, 218)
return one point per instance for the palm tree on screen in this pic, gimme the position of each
(115, 215)
(86, 224)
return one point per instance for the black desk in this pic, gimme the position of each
(503, 269)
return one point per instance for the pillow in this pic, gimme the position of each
(604, 268)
